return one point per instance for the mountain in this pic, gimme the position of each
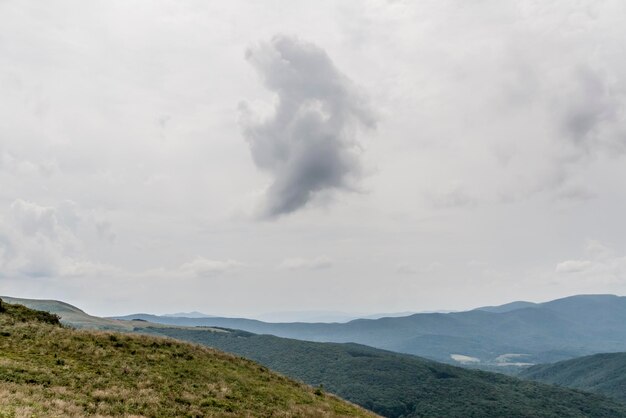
(321, 316)
(599, 373)
(50, 370)
(193, 314)
(388, 383)
(399, 385)
(508, 307)
(499, 338)
(306, 316)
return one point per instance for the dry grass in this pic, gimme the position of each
(47, 370)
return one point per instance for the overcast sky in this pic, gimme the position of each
(240, 157)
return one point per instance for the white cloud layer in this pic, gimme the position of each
(299, 263)
(202, 267)
(45, 242)
(37, 241)
(601, 265)
(573, 266)
(126, 174)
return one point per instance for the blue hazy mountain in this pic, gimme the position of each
(192, 314)
(508, 307)
(515, 334)
(321, 316)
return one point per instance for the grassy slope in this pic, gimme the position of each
(601, 373)
(48, 370)
(396, 385)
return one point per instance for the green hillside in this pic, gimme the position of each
(398, 385)
(50, 370)
(600, 373)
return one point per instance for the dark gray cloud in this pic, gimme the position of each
(576, 193)
(593, 113)
(309, 143)
(453, 196)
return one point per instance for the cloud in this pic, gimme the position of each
(573, 266)
(601, 264)
(454, 196)
(105, 232)
(405, 268)
(203, 267)
(318, 263)
(46, 241)
(575, 193)
(598, 257)
(34, 241)
(23, 167)
(593, 112)
(408, 269)
(309, 143)
(477, 264)
(32, 219)
(598, 251)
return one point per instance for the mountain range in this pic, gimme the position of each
(502, 338)
(388, 383)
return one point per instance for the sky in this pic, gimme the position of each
(238, 157)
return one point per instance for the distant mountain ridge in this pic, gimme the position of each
(392, 384)
(538, 333)
(508, 307)
(504, 341)
(300, 316)
(193, 314)
(322, 316)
